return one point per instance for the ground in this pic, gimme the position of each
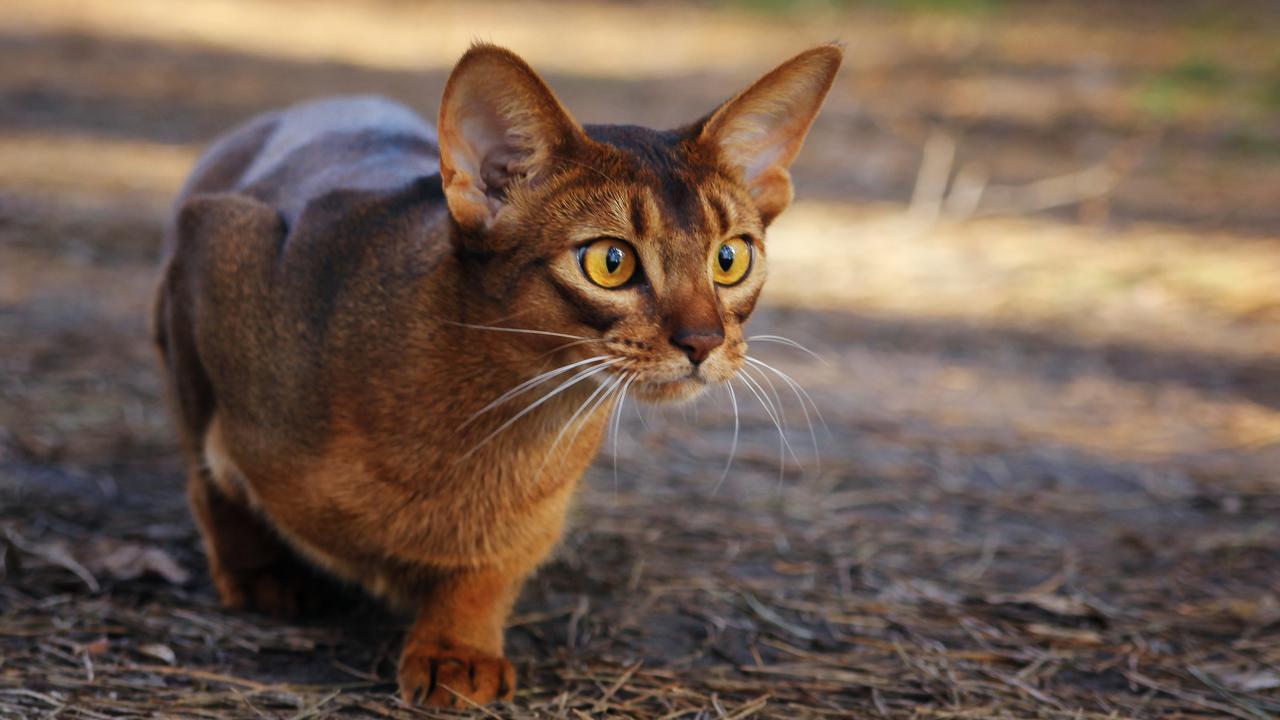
(1036, 252)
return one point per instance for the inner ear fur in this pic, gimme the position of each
(760, 131)
(500, 125)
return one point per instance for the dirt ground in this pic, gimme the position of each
(1036, 250)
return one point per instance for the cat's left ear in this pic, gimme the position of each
(759, 132)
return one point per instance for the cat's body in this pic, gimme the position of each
(343, 302)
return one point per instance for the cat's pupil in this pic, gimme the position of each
(612, 259)
(726, 257)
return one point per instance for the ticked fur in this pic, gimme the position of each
(347, 291)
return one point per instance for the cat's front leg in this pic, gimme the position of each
(454, 649)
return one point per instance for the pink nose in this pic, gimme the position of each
(697, 345)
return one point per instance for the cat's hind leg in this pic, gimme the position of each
(250, 565)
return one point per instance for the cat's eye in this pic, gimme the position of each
(732, 261)
(608, 263)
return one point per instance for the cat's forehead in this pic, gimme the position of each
(658, 150)
(683, 187)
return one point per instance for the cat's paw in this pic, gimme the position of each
(443, 674)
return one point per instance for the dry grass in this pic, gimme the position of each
(1047, 484)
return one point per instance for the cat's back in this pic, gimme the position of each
(300, 233)
(291, 157)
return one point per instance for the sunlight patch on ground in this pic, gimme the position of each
(1149, 285)
(92, 165)
(608, 40)
(421, 35)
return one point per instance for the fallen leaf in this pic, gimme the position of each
(1054, 604)
(163, 653)
(56, 553)
(1250, 681)
(97, 647)
(128, 561)
(1261, 611)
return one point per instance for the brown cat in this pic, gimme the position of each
(393, 353)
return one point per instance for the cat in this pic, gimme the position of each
(392, 349)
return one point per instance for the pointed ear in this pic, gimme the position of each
(499, 126)
(759, 132)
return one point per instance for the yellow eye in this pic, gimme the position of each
(732, 261)
(608, 263)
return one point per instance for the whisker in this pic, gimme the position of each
(795, 387)
(758, 390)
(528, 384)
(617, 423)
(733, 447)
(780, 416)
(796, 390)
(782, 459)
(789, 342)
(583, 375)
(643, 422)
(557, 349)
(495, 328)
(777, 399)
(607, 388)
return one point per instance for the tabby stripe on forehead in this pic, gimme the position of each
(587, 314)
(721, 214)
(639, 213)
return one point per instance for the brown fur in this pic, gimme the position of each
(322, 277)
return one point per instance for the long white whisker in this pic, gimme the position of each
(777, 399)
(643, 422)
(557, 349)
(534, 405)
(617, 422)
(796, 389)
(788, 341)
(780, 417)
(606, 388)
(733, 447)
(526, 331)
(609, 435)
(759, 391)
(527, 384)
(782, 458)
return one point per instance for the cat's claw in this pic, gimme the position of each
(454, 676)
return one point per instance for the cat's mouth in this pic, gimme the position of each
(676, 390)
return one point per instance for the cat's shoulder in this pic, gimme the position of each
(326, 173)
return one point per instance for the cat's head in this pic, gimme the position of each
(648, 245)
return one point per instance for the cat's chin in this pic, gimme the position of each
(673, 391)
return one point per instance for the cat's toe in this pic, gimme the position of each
(454, 676)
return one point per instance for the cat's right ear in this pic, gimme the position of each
(500, 125)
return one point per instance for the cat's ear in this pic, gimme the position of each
(499, 124)
(759, 132)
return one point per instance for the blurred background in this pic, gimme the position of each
(1036, 247)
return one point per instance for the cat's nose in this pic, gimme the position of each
(697, 344)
